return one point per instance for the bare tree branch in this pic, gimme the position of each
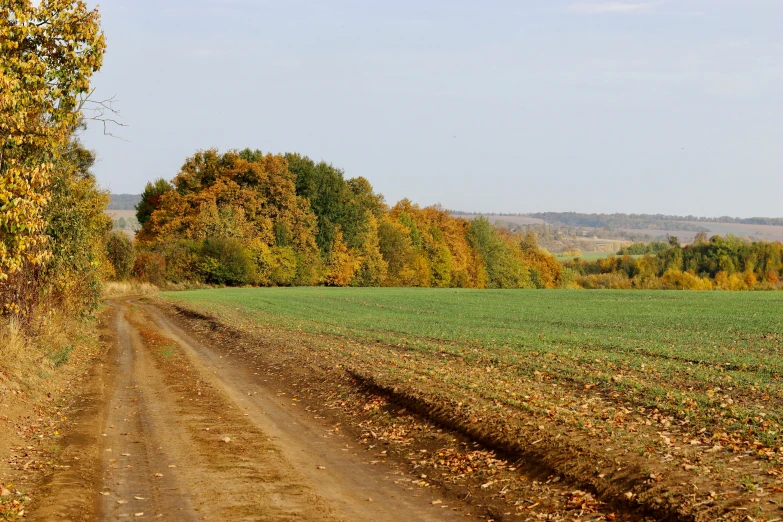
(102, 111)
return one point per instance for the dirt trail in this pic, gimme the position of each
(180, 432)
(328, 459)
(141, 439)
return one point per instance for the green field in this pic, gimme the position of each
(725, 327)
(680, 380)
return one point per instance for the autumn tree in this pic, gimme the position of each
(48, 54)
(150, 199)
(335, 201)
(121, 254)
(503, 267)
(342, 264)
(76, 227)
(372, 266)
(397, 250)
(245, 196)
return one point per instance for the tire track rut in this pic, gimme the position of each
(180, 433)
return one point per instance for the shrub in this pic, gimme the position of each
(734, 281)
(614, 280)
(180, 257)
(677, 280)
(226, 261)
(121, 254)
(567, 278)
(150, 267)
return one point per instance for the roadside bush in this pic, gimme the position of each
(76, 227)
(180, 257)
(150, 267)
(121, 254)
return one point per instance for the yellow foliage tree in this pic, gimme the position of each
(342, 264)
(47, 55)
(373, 268)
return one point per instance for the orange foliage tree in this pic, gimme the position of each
(245, 196)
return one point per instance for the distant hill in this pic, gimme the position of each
(620, 221)
(564, 231)
(648, 221)
(124, 201)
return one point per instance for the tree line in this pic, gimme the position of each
(727, 263)
(249, 218)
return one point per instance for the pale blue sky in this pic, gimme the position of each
(516, 106)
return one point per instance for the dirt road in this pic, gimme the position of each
(176, 430)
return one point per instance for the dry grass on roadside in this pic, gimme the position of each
(118, 289)
(31, 358)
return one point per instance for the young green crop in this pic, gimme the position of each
(692, 355)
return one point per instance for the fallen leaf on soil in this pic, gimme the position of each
(226, 439)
